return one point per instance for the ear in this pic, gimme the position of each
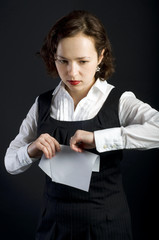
(101, 56)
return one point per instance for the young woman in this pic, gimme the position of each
(83, 112)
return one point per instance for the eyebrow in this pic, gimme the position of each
(76, 58)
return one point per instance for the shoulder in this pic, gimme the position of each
(120, 93)
(46, 94)
(127, 97)
(46, 97)
(50, 93)
(44, 101)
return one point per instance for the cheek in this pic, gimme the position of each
(92, 69)
(60, 70)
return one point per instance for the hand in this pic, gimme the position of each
(82, 139)
(43, 144)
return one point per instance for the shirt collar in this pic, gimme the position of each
(99, 85)
(58, 88)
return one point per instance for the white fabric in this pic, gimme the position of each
(139, 124)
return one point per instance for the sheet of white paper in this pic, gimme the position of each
(44, 164)
(71, 168)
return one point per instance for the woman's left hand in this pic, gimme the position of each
(82, 140)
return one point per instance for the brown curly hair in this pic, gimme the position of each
(69, 26)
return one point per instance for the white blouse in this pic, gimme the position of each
(139, 124)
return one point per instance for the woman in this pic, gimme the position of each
(84, 112)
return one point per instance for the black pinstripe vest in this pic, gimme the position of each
(72, 214)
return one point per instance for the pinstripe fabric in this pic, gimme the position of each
(72, 214)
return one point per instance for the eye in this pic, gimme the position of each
(62, 61)
(83, 62)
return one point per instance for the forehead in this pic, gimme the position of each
(79, 44)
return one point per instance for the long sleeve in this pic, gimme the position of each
(17, 159)
(139, 127)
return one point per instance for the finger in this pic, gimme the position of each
(56, 144)
(76, 146)
(53, 145)
(43, 148)
(48, 150)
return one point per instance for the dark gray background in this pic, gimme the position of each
(132, 27)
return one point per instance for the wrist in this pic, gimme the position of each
(33, 152)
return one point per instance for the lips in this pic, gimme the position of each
(74, 82)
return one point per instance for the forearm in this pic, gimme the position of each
(18, 160)
(139, 127)
(136, 136)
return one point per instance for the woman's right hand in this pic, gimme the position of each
(43, 144)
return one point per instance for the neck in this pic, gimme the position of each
(77, 97)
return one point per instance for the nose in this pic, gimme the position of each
(72, 69)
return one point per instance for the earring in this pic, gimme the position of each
(97, 69)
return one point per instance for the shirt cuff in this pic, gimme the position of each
(24, 157)
(108, 139)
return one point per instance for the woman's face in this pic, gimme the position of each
(76, 63)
